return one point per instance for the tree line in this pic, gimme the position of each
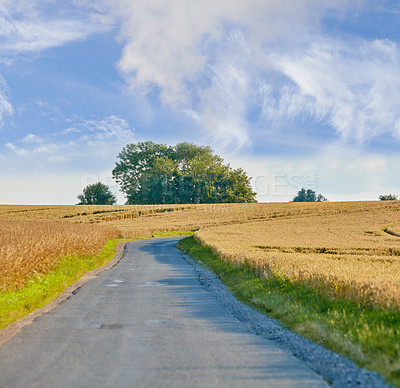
(150, 173)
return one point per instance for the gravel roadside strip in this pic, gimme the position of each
(339, 371)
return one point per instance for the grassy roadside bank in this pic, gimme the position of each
(41, 290)
(370, 337)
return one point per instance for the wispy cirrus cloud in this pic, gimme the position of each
(167, 43)
(87, 137)
(6, 108)
(111, 129)
(44, 151)
(186, 50)
(259, 62)
(354, 86)
(27, 26)
(236, 68)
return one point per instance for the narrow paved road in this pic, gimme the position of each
(147, 322)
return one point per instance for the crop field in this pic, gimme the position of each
(34, 238)
(131, 220)
(344, 250)
(349, 249)
(140, 220)
(29, 248)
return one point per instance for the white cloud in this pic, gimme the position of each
(71, 130)
(28, 26)
(224, 104)
(353, 85)
(102, 137)
(44, 151)
(21, 37)
(110, 129)
(31, 138)
(220, 61)
(6, 108)
(183, 50)
(167, 42)
(19, 151)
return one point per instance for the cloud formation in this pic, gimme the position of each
(110, 130)
(6, 108)
(43, 150)
(236, 68)
(29, 26)
(222, 62)
(353, 85)
(102, 137)
(168, 42)
(205, 56)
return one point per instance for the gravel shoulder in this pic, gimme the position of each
(339, 371)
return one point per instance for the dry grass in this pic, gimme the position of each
(343, 250)
(30, 248)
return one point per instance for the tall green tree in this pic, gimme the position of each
(134, 171)
(309, 195)
(151, 173)
(97, 194)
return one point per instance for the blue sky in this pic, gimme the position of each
(301, 93)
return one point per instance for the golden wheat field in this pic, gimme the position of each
(346, 250)
(349, 249)
(36, 247)
(33, 239)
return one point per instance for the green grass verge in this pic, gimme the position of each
(369, 337)
(41, 290)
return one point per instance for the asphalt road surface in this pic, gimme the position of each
(147, 322)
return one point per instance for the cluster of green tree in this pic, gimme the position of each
(309, 195)
(150, 173)
(97, 194)
(388, 197)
